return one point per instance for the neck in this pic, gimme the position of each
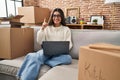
(57, 25)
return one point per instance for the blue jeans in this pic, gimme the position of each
(33, 61)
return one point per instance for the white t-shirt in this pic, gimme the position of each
(51, 33)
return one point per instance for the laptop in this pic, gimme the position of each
(52, 48)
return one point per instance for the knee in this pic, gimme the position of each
(31, 56)
(69, 59)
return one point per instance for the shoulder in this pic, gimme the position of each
(66, 28)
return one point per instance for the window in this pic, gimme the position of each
(9, 7)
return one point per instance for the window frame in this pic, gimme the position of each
(6, 7)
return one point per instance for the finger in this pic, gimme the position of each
(49, 19)
(44, 19)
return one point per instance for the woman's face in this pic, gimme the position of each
(56, 19)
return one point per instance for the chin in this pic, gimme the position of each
(57, 22)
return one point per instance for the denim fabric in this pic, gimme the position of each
(33, 61)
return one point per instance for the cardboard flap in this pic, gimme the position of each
(104, 46)
(18, 16)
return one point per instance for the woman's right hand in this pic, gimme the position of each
(45, 24)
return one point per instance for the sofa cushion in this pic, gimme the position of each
(7, 77)
(85, 37)
(63, 72)
(8, 70)
(10, 67)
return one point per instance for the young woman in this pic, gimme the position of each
(55, 30)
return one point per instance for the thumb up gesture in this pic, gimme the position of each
(45, 24)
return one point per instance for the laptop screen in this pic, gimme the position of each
(52, 48)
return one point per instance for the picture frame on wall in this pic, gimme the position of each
(98, 18)
(77, 9)
(72, 14)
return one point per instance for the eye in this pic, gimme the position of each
(57, 15)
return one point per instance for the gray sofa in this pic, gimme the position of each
(9, 68)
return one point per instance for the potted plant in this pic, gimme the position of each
(81, 20)
(95, 21)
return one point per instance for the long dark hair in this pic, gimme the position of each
(62, 17)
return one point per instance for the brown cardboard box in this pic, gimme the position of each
(16, 42)
(33, 14)
(95, 64)
(28, 40)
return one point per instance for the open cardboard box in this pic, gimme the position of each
(16, 18)
(97, 64)
(15, 21)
